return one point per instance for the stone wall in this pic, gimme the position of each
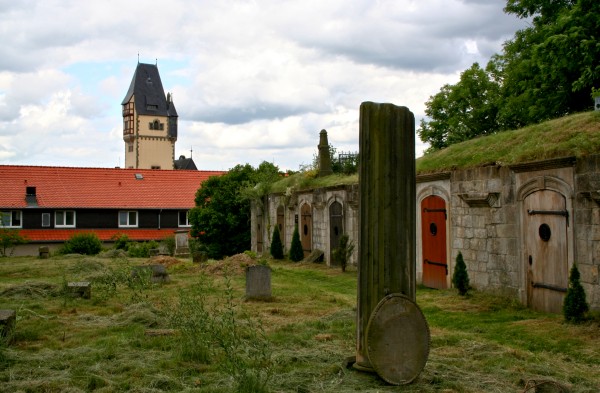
(486, 220)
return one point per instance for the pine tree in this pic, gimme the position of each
(575, 305)
(276, 246)
(296, 252)
(460, 278)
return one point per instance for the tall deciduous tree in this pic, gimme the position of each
(546, 71)
(221, 218)
(462, 111)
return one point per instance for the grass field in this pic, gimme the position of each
(135, 336)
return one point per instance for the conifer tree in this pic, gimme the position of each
(460, 278)
(296, 252)
(276, 246)
(575, 305)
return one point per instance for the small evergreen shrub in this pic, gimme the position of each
(296, 252)
(276, 246)
(82, 243)
(575, 304)
(460, 278)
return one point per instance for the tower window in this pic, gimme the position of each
(152, 107)
(156, 125)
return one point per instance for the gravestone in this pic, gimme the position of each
(386, 263)
(182, 247)
(157, 273)
(315, 256)
(8, 322)
(258, 282)
(44, 252)
(80, 289)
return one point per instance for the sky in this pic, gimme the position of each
(252, 81)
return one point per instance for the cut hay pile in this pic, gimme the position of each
(233, 265)
(30, 290)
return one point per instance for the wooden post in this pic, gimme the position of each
(387, 209)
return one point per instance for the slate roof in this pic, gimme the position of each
(147, 88)
(71, 187)
(185, 163)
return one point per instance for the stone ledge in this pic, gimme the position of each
(489, 199)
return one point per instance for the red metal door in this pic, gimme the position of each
(433, 240)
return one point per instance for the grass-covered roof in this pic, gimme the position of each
(570, 136)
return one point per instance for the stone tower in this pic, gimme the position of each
(149, 122)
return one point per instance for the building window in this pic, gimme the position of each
(155, 167)
(130, 147)
(45, 219)
(128, 118)
(128, 218)
(156, 125)
(10, 219)
(64, 219)
(184, 219)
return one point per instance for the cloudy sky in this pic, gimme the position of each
(251, 80)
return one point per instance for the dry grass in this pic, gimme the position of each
(482, 343)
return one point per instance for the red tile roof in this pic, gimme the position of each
(61, 235)
(69, 187)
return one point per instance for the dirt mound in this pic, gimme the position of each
(164, 260)
(233, 265)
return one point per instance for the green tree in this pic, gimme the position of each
(462, 111)
(575, 304)
(549, 68)
(221, 218)
(546, 70)
(9, 239)
(296, 251)
(276, 246)
(460, 278)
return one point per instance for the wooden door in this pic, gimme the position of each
(336, 229)
(546, 220)
(433, 240)
(306, 229)
(259, 233)
(281, 225)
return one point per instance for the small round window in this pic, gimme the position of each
(545, 232)
(433, 229)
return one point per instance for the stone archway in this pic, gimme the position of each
(305, 229)
(336, 229)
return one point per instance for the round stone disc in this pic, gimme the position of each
(397, 339)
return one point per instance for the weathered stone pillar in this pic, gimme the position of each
(324, 156)
(387, 206)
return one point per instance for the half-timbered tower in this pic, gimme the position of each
(149, 122)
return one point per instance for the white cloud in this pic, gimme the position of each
(252, 80)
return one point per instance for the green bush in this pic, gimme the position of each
(169, 243)
(460, 278)
(121, 242)
(141, 250)
(82, 243)
(344, 251)
(575, 304)
(296, 252)
(276, 246)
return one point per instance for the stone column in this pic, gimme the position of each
(387, 203)
(324, 156)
